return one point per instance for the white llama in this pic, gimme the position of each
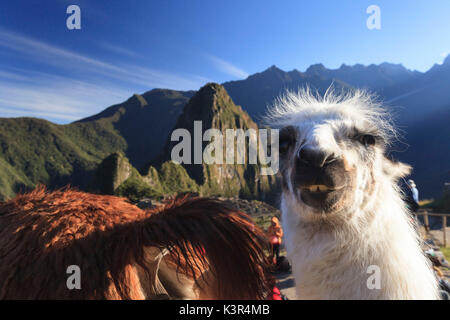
(348, 233)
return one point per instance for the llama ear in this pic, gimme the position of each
(396, 169)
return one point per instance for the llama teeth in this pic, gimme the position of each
(318, 188)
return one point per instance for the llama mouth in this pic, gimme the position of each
(320, 196)
(320, 188)
(317, 188)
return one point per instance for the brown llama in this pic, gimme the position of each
(189, 248)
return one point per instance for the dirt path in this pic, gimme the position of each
(286, 284)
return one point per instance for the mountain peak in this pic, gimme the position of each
(212, 108)
(111, 173)
(207, 104)
(206, 98)
(272, 69)
(210, 87)
(316, 68)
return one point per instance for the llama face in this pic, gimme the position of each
(330, 151)
(319, 161)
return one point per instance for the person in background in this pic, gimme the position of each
(413, 196)
(275, 234)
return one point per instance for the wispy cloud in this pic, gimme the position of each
(54, 97)
(146, 77)
(42, 51)
(227, 67)
(93, 85)
(118, 50)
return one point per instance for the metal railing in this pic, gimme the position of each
(426, 221)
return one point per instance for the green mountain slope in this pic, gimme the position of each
(115, 175)
(34, 151)
(215, 109)
(144, 121)
(37, 151)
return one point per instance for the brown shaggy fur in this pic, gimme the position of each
(42, 233)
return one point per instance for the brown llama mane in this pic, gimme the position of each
(42, 233)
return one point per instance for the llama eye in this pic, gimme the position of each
(367, 140)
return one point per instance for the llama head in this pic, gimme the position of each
(332, 150)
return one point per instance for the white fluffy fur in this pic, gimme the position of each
(331, 253)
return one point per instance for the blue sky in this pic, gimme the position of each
(127, 47)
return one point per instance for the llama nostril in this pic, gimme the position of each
(315, 158)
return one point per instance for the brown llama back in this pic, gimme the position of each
(115, 243)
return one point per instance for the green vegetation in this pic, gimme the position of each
(135, 189)
(214, 108)
(106, 153)
(111, 173)
(263, 221)
(426, 203)
(36, 151)
(115, 175)
(12, 180)
(175, 179)
(446, 252)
